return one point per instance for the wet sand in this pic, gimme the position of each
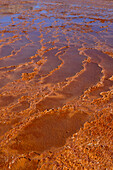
(56, 84)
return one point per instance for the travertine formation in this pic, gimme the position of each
(56, 84)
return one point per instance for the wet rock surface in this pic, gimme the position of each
(56, 84)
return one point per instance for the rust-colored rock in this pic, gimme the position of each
(56, 84)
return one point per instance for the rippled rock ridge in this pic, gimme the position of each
(56, 84)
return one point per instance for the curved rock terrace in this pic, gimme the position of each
(56, 85)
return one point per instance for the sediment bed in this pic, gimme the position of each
(56, 84)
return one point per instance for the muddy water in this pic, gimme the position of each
(56, 70)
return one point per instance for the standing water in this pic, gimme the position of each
(56, 73)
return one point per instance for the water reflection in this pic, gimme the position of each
(13, 7)
(53, 53)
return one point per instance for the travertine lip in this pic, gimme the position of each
(56, 73)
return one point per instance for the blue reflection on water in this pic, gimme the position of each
(4, 19)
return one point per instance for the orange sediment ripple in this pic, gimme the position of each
(74, 89)
(71, 64)
(48, 131)
(56, 84)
